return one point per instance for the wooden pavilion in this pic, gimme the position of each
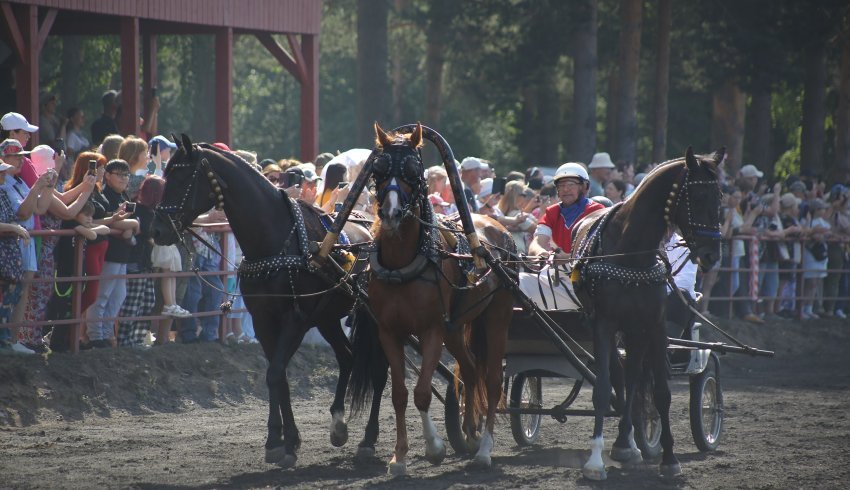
(27, 23)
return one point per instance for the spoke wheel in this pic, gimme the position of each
(706, 411)
(526, 392)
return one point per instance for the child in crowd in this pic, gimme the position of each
(86, 226)
(814, 257)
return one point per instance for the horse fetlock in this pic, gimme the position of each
(280, 456)
(364, 453)
(594, 469)
(670, 470)
(627, 455)
(482, 458)
(435, 451)
(397, 467)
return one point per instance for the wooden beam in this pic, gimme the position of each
(284, 58)
(149, 73)
(310, 98)
(14, 31)
(26, 71)
(299, 57)
(129, 123)
(46, 25)
(224, 85)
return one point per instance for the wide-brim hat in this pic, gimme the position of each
(601, 160)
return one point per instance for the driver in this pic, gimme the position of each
(554, 231)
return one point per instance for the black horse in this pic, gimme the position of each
(279, 289)
(626, 291)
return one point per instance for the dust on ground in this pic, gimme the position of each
(194, 416)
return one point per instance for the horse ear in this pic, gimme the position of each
(416, 136)
(176, 140)
(691, 160)
(381, 138)
(720, 155)
(187, 143)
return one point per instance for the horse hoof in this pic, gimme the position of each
(438, 455)
(339, 434)
(275, 454)
(627, 455)
(595, 474)
(670, 470)
(472, 444)
(481, 462)
(364, 453)
(397, 469)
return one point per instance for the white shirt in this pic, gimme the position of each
(686, 278)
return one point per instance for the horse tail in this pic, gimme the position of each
(369, 359)
(476, 340)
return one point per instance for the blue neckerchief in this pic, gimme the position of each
(573, 211)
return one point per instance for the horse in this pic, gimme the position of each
(282, 294)
(413, 290)
(625, 291)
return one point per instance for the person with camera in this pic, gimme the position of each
(768, 227)
(838, 217)
(815, 256)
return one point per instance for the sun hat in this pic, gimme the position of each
(472, 163)
(751, 171)
(14, 121)
(601, 160)
(11, 147)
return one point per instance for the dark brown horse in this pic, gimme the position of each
(412, 291)
(282, 294)
(626, 292)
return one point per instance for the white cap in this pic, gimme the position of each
(4, 166)
(14, 121)
(571, 169)
(751, 171)
(472, 163)
(601, 160)
(42, 158)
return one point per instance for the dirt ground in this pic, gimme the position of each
(194, 416)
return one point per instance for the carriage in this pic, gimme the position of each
(495, 348)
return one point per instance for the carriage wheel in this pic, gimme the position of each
(526, 392)
(647, 422)
(707, 406)
(454, 418)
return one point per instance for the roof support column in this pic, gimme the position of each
(129, 123)
(150, 75)
(26, 73)
(224, 85)
(310, 98)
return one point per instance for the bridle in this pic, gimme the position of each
(176, 213)
(680, 193)
(399, 162)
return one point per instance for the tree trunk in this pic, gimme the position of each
(761, 121)
(842, 117)
(582, 142)
(548, 116)
(435, 58)
(529, 138)
(399, 79)
(372, 59)
(812, 134)
(70, 79)
(626, 148)
(662, 82)
(729, 109)
(613, 101)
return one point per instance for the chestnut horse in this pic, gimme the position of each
(414, 289)
(626, 292)
(283, 295)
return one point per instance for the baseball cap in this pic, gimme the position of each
(11, 146)
(14, 121)
(163, 142)
(798, 186)
(751, 171)
(486, 188)
(472, 163)
(309, 172)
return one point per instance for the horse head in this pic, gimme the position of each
(191, 189)
(694, 206)
(398, 174)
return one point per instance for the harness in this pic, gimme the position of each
(267, 266)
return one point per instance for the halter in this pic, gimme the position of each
(176, 212)
(394, 163)
(674, 200)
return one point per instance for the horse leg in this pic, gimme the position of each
(669, 463)
(332, 332)
(594, 468)
(283, 454)
(366, 448)
(394, 350)
(495, 321)
(431, 344)
(625, 449)
(456, 346)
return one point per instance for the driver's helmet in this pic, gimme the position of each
(571, 169)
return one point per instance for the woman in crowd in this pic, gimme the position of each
(615, 191)
(789, 212)
(109, 147)
(517, 219)
(75, 141)
(134, 151)
(439, 190)
(815, 255)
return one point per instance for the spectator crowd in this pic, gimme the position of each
(784, 241)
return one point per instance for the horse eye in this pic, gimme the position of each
(411, 168)
(382, 164)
